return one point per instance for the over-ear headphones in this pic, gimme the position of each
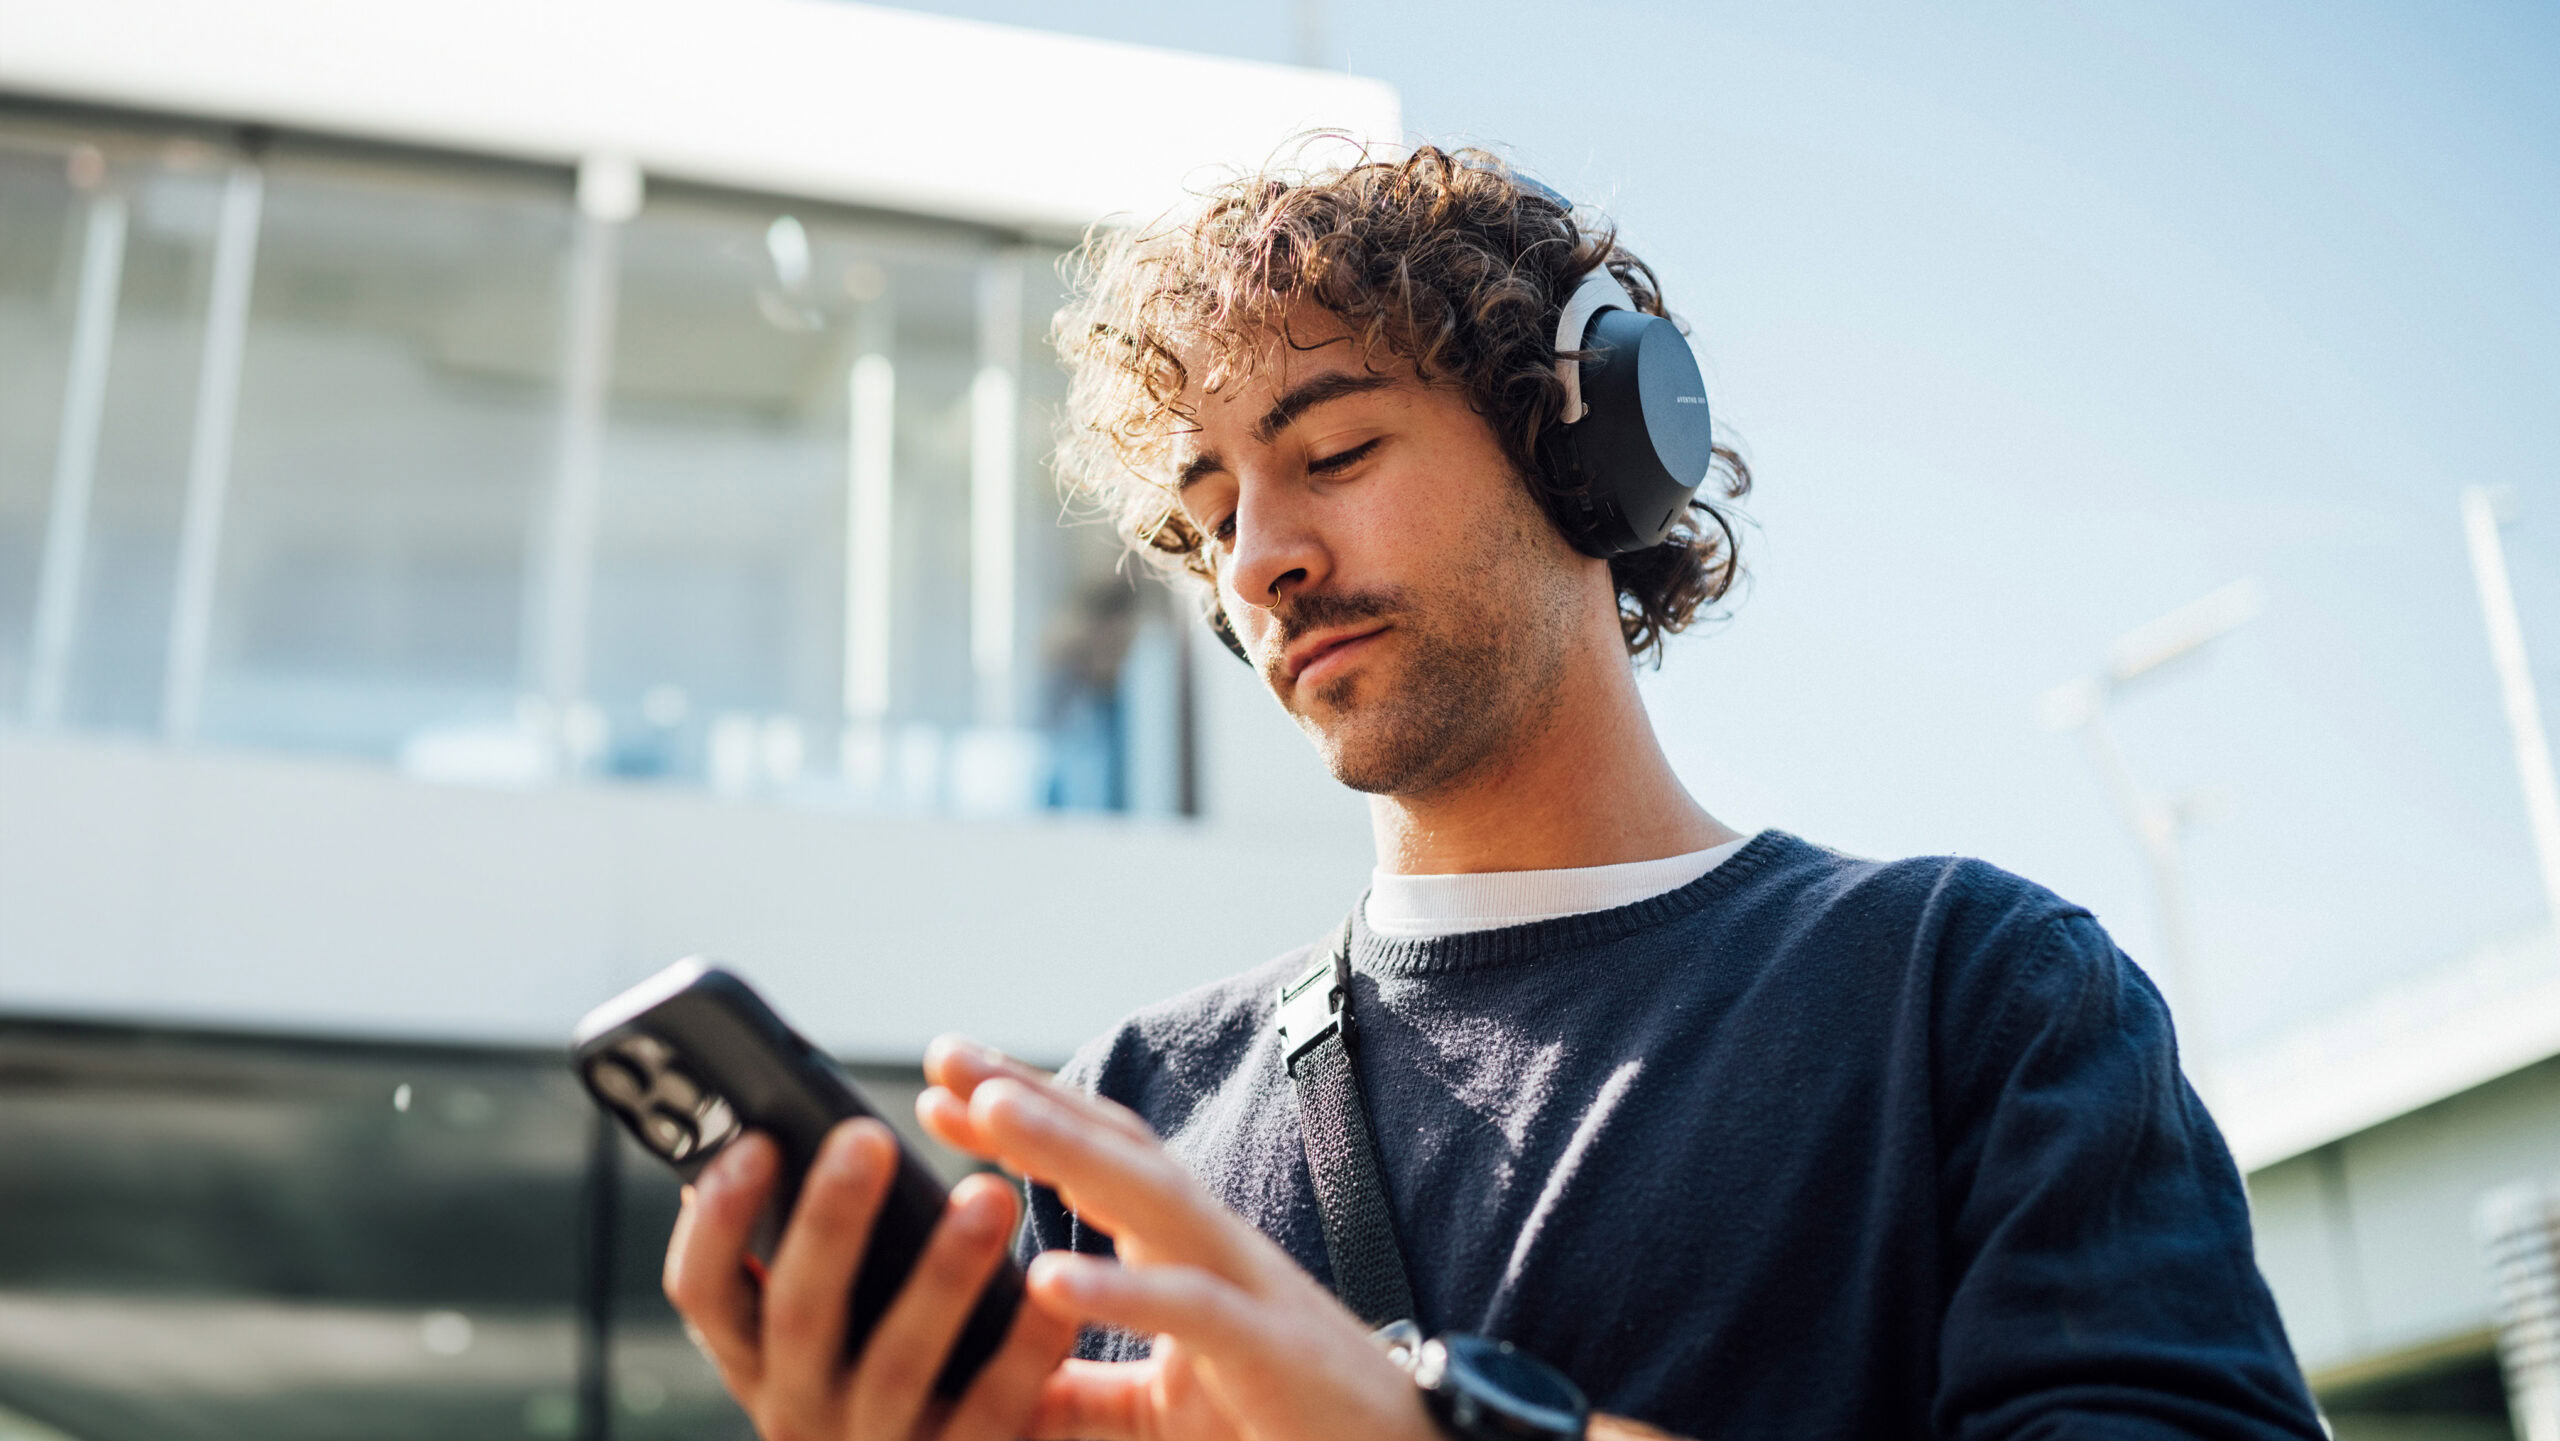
(1635, 439)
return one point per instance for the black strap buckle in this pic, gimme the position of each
(1312, 1007)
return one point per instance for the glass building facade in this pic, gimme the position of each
(507, 475)
(495, 475)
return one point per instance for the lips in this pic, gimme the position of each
(1312, 659)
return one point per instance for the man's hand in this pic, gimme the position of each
(779, 1346)
(1247, 1344)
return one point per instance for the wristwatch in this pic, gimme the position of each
(1481, 1389)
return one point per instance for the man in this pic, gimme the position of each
(1742, 1136)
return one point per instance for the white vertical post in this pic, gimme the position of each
(2155, 824)
(1309, 18)
(226, 335)
(993, 410)
(609, 194)
(870, 489)
(75, 458)
(2515, 685)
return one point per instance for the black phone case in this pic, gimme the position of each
(692, 1058)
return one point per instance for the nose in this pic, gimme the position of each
(1278, 550)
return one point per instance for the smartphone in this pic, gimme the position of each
(692, 1058)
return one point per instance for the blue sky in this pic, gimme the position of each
(2037, 321)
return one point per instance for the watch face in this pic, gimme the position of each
(1523, 1395)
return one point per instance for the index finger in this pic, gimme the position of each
(960, 1065)
(1129, 1186)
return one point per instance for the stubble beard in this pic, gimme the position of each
(1483, 654)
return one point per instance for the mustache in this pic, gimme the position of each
(1304, 614)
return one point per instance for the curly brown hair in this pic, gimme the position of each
(1448, 260)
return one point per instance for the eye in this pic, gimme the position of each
(1224, 531)
(1342, 460)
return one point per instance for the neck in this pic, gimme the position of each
(1589, 787)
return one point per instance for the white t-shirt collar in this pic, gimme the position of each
(1418, 907)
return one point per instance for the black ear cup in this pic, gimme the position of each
(1622, 474)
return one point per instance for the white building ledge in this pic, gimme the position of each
(828, 101)
(2494, 1012)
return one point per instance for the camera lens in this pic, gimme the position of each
(617, 1080)
(670, 1133)
(715, 1122)
(645, 1052)
(679, 1091)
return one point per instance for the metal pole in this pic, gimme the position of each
(2515, 685)
(992, 421)
(1308, 16)
(600, 1225)
(226, 336)
(2154, 822)
(870, 461)
(75, 459)
(608, 195)
(2141, 654)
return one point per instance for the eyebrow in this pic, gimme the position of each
(1284, 412)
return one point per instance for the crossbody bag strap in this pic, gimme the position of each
(1342, 1154)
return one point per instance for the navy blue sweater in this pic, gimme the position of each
(1810, 1147)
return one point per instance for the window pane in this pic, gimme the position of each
(789, 559)
(42, 226)
(718, 621)
(825, 561)
(215, 1238)
(933, 695)
(1104, 659)
(172, 192)
(397, 429)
